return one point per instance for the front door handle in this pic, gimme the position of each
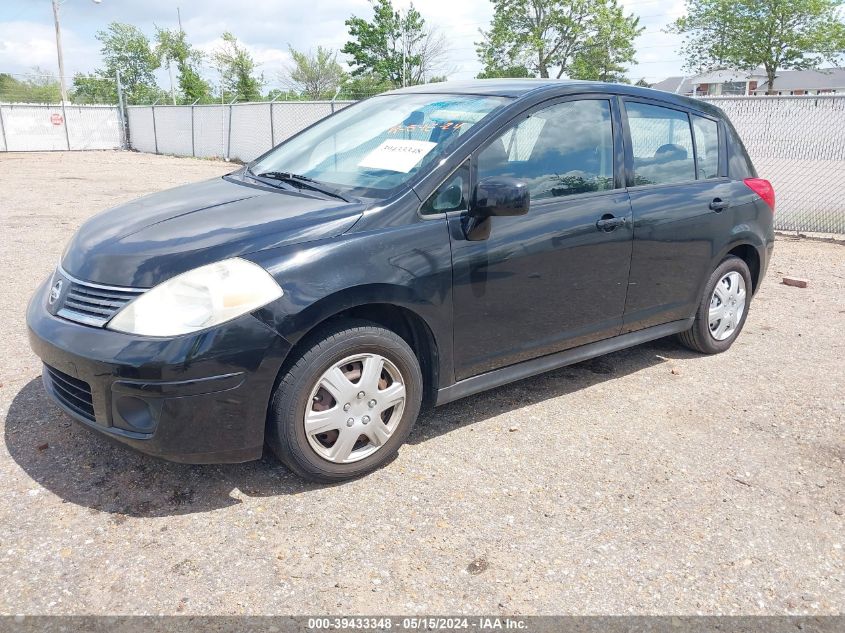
(608, 223)
(718, 204)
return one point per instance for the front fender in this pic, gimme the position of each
(407, 266)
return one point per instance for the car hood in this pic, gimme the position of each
(153, 238)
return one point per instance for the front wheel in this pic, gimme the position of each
(723, 308)
(347, 404)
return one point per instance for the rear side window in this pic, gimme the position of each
(561, 150)
(661, 142)
(706, 146)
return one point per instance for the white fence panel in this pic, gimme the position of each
(33, 128)
(211, 128)
(173, 130)
(30, 128)
(142, 136)
(203, 130)
(798, 143)
(94, 127)
(290, 118)
(251, 131)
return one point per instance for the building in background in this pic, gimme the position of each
(806, 82)
(726, 83)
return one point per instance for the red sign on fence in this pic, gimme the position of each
(56, 119)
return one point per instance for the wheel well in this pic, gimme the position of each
(411, 327)
(748, 254)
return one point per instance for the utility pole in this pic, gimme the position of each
(172, 89)
(56, 4)
(170, 61)
(59, 50)
(404, 49)
(124, 129)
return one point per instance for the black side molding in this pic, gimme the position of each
(526, 369)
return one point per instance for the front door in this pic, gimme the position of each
(556, 277)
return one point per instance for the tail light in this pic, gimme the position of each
(764, 189)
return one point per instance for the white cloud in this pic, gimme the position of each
(24, 45)
(27, 38)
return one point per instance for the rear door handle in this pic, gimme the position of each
(608, 223)
(718, 204)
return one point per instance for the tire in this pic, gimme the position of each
(312, 392)
(701, 337)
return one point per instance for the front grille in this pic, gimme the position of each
(92, 304)
(75, 394)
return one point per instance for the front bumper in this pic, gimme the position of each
(199, 398)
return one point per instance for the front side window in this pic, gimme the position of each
(373, 147)
(561, 150)
(706, 146)
(661, 142)
(451, 195)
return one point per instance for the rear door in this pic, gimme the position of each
(678, 206)
(556, 277)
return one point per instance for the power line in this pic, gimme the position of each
(639, 48)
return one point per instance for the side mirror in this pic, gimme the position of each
(500, 197)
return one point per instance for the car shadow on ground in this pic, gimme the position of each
(87, 469)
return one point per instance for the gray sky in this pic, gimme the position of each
(266, 28)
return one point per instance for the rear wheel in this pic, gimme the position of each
(723, 308)
(347, 404)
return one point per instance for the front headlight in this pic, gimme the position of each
(197, 299)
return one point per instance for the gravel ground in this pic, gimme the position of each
(650, 481)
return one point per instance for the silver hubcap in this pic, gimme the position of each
(354, 408)
(727, 305)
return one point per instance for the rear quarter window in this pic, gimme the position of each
(739, 163)
(706, 133)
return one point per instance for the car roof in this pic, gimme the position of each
(519, 88)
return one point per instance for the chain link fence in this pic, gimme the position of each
(798, 143)
(239, 131)
(28, 127)
(34, 118)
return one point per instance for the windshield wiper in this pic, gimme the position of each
(302, 182)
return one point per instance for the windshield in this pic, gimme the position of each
(373, 147)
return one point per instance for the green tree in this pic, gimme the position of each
(364, 85)
(399, 48)
(93, 89)
(567, 35)
(276, 94)
(237, 68)
(774, 34)
(610, 47)
(39, 86)
(493, 71)
(127, 50)
(172, 47)
(9, 88)
(314, 75)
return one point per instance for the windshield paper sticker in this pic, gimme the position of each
(397, 155)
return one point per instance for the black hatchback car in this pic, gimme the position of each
(411, 249)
